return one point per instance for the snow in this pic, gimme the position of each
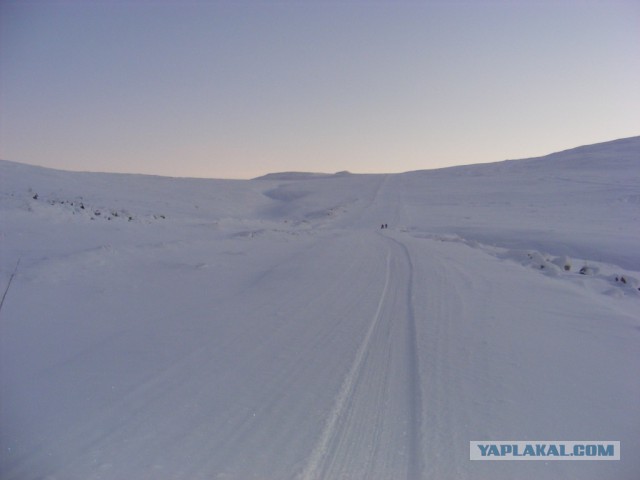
(168, 328)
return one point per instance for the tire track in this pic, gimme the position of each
(374, 429)
(413, 381)
(319, 458)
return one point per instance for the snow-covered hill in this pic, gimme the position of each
(168, 328)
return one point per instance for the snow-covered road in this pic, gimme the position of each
(379, 403)
(270, 329)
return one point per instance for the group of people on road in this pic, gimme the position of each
(383, 226)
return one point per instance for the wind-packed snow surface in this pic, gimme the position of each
(157, 328)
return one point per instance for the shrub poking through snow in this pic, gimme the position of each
(587, 270)
(538, 260)
(77, 207)
(563, 262)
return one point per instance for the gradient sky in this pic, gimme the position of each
(237, 89)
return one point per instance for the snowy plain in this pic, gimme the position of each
(162, 328)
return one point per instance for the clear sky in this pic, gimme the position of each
(236, 89)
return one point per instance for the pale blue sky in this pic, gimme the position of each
(237, 89)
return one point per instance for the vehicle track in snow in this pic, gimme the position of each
(413, 371)
(374, 427)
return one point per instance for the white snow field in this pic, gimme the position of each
(159, 328)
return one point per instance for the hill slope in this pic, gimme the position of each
(181, 328)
